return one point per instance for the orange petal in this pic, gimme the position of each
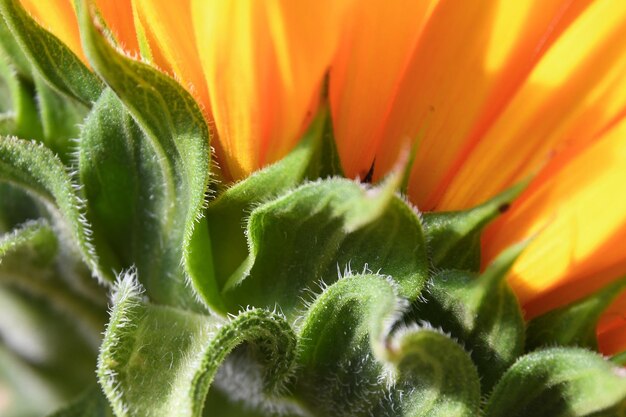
(576, 211)
(437, 82)
(118, 15)
(612, 328)
(170, 32)
(378, 40)
(575, 89)
(264, 62)
(59, 18)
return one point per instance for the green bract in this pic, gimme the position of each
(295, 292)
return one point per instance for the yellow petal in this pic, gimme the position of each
(264, 62)
(575, 89)
(169, 27)
(377, 41)
(59, 18)
(576, 211)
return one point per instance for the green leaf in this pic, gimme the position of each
(92, 403)
(559, 382)
(54, 61)
(160, 361)
(310, 233)
(37, 170)
(480, 311)
(454, 237)
(574, 324)
(178, 136)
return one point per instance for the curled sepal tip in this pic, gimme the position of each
(161, 361)
(352, 363)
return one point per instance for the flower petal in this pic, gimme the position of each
(118, 15)
(573, 92)
(169, 25)
(377, 41)
(439, 81)
(59, 18)
(576, 211)
(264, 62)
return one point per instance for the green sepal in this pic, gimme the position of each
(454, 237)
(179, 138)
(559, 382)
(324, 162)
(55, 62)
(107, 167)
(21, 115)
(32, 262)
(350, 365)
(38, 239)
(576, 323)
(340, 338)
(48, 340)
(480, 311)
(619, 358)
(224, 235)
(16, 207)
(161, 361)
(33, 167)
(219, 400)
(12, 51)
(60, 119)
(91, 403)
(435, 376)
(316, 231)
(36, 111)
(51, 325)
(126, 204)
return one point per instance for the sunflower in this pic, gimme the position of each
(321, 208)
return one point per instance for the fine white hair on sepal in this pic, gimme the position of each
(127, 285)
